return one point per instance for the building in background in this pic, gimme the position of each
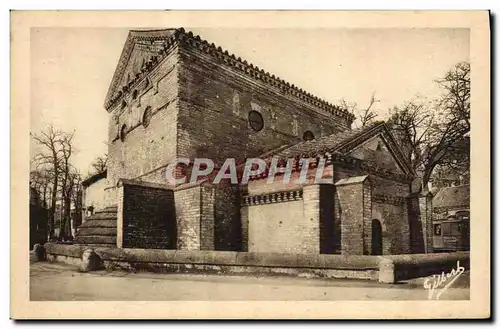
(451, 207)
(93, 194)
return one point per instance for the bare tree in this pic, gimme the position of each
(66, 182)
(54, 159)
(41, 179)
(50, 159)
(100, 164)
(411, 124)
(429, 132)
(77, 196)
(364, 117)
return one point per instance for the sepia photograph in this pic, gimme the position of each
(237, 163)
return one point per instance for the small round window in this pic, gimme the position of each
(146, 117)
(256, 121)
(308, 135)
(123, 132)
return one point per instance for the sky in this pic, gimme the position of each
(71, 69)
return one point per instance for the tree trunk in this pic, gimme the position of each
(426, 178)
(52, 211)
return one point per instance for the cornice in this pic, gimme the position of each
(188, 39)
(276, 197)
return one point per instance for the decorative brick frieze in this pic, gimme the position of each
(389, 199)
(278, 197)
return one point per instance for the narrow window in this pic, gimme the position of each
(146, 117)
(123, 132)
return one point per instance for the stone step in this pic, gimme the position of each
(95, 239)
(96, 231)
(95, 245)
(102, 215)
(109, 209)
(99, 223)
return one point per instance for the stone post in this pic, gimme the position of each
(386, 271)
(39, 251)
(90, 261)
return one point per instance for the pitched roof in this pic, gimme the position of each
(94, 178)
(321, 144)
(162, 41)
(452, 197)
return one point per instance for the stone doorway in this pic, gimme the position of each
(376, 237)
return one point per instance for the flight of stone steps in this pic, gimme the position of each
(99, 229)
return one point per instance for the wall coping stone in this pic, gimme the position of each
(123, 182)
(352, 180)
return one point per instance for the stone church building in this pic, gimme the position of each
(175, 95)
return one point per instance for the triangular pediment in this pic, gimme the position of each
(379, 147)
(375, 150)
(141, 50)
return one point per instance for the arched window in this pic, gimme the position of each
(124, 105)
(308, 135)
(123, 132)
(255, 120)
(134, 94)
(146, 117)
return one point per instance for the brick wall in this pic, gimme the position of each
(329, 239)
(394, 227)
(245, 222)
(282, 222)
(312, 218)
(395, 219)
(228, 223)
(355, 215)
(381, 186)
(262, 186)
(367, 217)
(207, 216)
(415, 225)
(425, 202)
(214, 107)
(405, 234)
(279, 227)
(147, 218)
(188, 215)
(145, 149)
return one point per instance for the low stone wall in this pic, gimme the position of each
(223, 262)
(404, 267)
(388, 269)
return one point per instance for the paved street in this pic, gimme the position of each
(56, 281)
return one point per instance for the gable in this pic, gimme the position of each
(375, 150)
(137, 60)
(141, 52)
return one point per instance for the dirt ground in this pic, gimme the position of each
(56, 281)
